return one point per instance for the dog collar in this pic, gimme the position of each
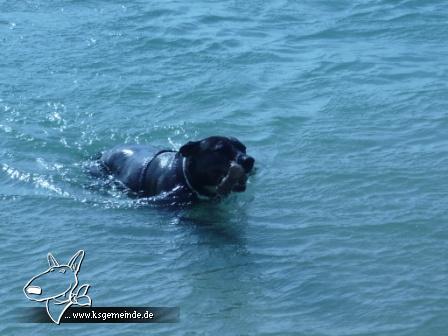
(147, 163)
(190, 186)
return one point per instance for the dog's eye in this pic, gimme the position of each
(242, 148)
(238, 145)
(220, 147)
(225, 150)
(62, 271)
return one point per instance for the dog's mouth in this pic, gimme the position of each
(33, 290)
(235, 180)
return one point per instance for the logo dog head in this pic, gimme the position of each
(58, 285)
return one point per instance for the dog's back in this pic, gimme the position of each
(127, 162)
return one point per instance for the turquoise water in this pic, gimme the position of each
(342, 230)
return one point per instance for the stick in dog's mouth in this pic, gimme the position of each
(235, 176)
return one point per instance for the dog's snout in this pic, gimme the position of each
(33, 290)
(247, 162)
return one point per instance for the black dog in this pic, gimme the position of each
(205, 169)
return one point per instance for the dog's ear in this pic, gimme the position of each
(52, 260)
(76, 260)
(190, 148)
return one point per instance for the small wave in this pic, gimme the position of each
(39, 181)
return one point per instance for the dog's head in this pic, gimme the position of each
(217, 163)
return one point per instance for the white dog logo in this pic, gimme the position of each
(58, 287)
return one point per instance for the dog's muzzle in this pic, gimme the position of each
(235, 180)
(36, 290)
(246, 161)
